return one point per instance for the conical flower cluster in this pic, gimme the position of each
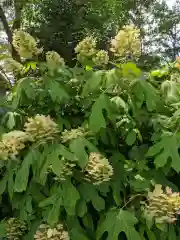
(101, 58)
(12, 143)
(163, 206)
(86, 48)
(15, 229)
(45, 232)
(13, 66)
(41, 127)
(98, 169)
(66, 170)
(25, 44)
(54, 60)
(127, 42)
(73, 134)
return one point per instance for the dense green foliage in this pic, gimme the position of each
(82, 149)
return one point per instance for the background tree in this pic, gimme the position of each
(164, 29)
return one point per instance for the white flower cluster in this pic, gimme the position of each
(87, 47)
(37, 128)
(12, 143)
(15, 229)
(163, 206)
(54, 60)
(73, 134)
(45, 232)
(98, 169)
(127, 42)
(25, 44)
(41, 127)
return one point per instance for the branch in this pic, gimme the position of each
(8, 31)
(5, 25)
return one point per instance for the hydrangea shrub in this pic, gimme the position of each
(90, 152)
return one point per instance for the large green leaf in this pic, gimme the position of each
(166, 148)
(90, 194)
(130, 70)
(144, 91)
(70, 197)
(22, 176)
(92, 84)
(50, 156)
(117, 221)
(41, 162)
(56, 90)
(97, 119)
(24, 85)
(65, 196)
(53, 216)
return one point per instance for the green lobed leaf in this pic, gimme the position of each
(117, 221)
(53, 216)
(143, 90)
(130, 70)
(93, 83)
(70, 197)
(22, 175)
(97, 119)
(166, 148)
(90, 194)
(56, 91)
(24, 85)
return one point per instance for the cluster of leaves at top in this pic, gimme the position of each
(87, 152)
